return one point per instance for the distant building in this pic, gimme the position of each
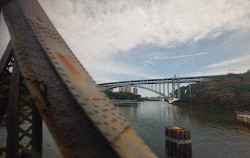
(135, 91)
(125, 89)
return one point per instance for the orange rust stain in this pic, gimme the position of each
(70, 67)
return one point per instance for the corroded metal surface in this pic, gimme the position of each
(13, 114)
(24, 124)
(6, 58)
(82, 120)
(3, 3)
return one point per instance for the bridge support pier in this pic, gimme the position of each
(159, 87)
(164, 92)
(173, 89)
(189, 89)
(168, 89)
(179, 89)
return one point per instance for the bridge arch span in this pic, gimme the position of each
(137, 86)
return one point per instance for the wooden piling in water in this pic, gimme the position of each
(178, 142)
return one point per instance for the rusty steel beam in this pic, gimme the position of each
(20, 112)
(13, 114)
(36, 133)
(3, 3)
(82, 120)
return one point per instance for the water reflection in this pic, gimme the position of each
(215, 132)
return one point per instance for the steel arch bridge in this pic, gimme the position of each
(139, 86)
(165, 87)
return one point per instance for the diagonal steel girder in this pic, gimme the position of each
(82, 120)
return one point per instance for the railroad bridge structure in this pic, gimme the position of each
(166, 87)
(79, 116)
(81, 119)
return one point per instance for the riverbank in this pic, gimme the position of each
(231, 91)
(130, 97)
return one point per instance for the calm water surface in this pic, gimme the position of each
(215, 132)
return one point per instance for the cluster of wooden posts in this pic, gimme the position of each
(177, 142)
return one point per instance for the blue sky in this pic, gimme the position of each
(141, 39)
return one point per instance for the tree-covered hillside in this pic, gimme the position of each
(232, 90)
(122, 96)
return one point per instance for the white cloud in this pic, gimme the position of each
(179, 56)
(230, 62)
(109, 26)
(95, 29)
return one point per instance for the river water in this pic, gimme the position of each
(215, 131)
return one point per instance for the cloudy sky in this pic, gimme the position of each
(140, 39)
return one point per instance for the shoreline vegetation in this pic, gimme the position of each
(231, 91)
(119, 96)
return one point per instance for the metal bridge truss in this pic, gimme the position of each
(24, 123)
(81, 119)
